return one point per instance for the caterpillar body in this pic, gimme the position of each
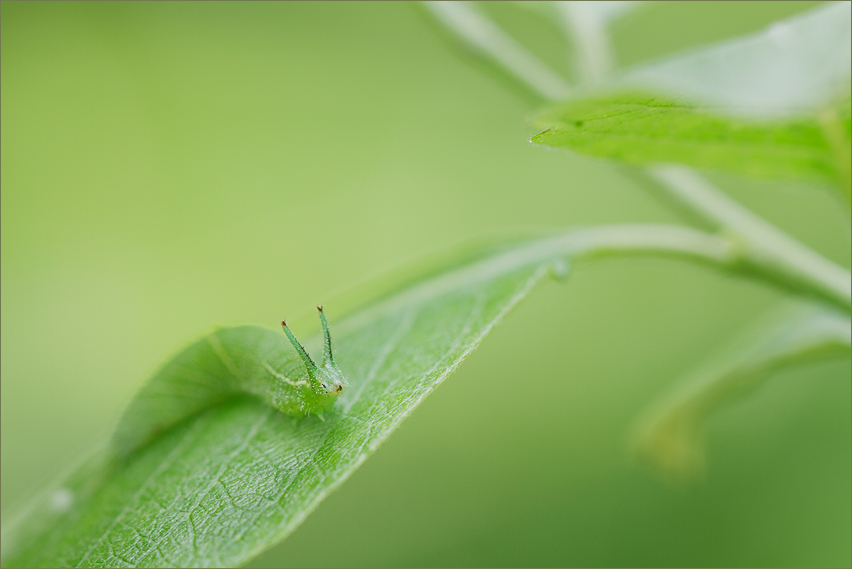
(316, 391)
(223, 365)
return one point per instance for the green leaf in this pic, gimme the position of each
(199, 475)
(642, 129)
(669, 436)
(203, 470)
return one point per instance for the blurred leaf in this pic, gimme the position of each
(669, 435)
(795, 66)
(642, 129)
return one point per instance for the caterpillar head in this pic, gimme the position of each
(325, 382)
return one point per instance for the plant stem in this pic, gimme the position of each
(592, 46)
(670, 241)
(765, 249)
(724, 252)
(488, 39)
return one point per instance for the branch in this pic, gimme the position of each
(490, 41)
(765, 250)
(592, 46)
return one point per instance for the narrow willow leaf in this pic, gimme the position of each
(669, 436)
(642, 129)
(212, 480)
(203, 470)
(198, 475)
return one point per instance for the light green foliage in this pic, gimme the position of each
(199, 476)
(774, 104)
(239, 476)
(220, 454)
(641, 129)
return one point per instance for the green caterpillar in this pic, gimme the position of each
(316, 392)
(225, 364)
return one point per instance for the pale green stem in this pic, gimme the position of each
(587, 244)
(643, 240)
(669, 241)
(592, 49)
(764, 248)
(488, 39)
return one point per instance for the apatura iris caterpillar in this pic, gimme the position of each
(316, 390)
(225, 364)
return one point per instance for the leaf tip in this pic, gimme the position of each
(536, 138)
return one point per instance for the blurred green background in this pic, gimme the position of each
(171, 166)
